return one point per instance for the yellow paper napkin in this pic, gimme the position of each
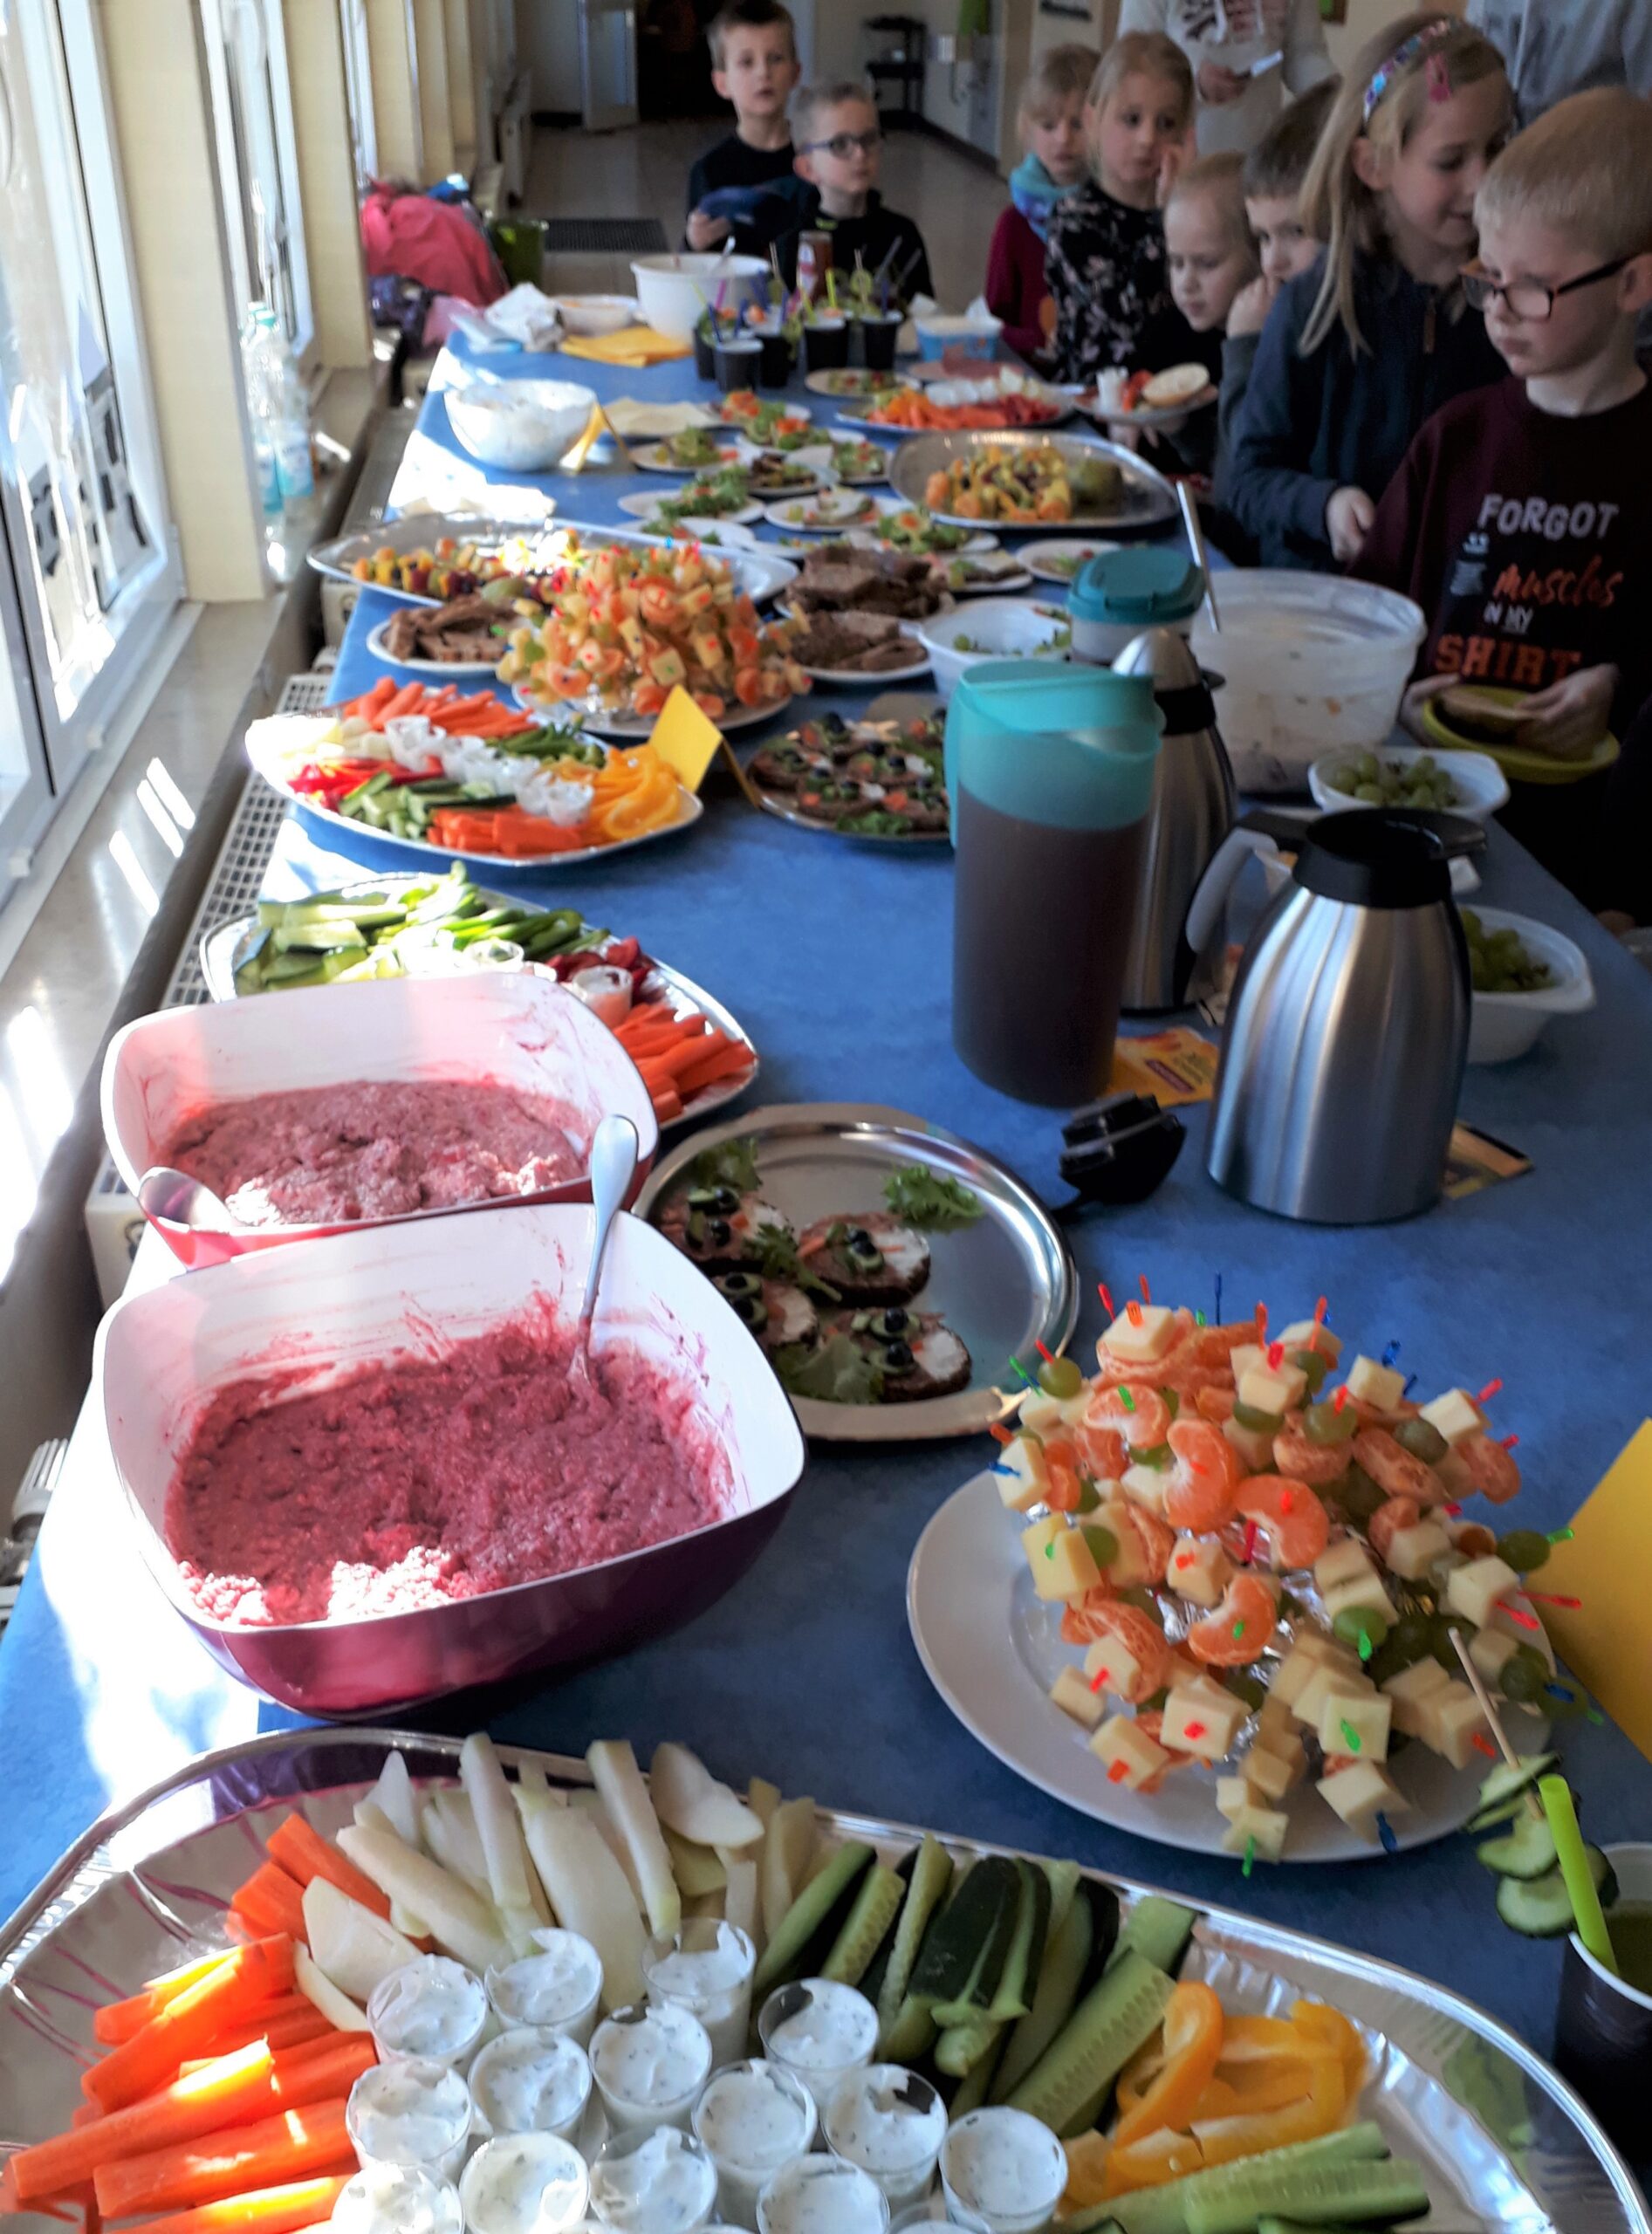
(633, 345)
(1607, 1566)
(685, 739)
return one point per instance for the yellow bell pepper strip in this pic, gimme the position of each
(1331, 2028)
(1254, 2088)
(1150, 2161)
(1193, 2033)
(1249, 2039)
(1319, 2112)
(1086, 2154)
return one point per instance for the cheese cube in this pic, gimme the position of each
(1202, 1720)
(1022, 1477)
(1454, 1416)
(1145, 1485)
(1365, 1594)
(1321, 1646)
(1490, 1650)
(1199, 1571)
(1290, 1676)
(1255, 1448)
(1367, 1718)
(1474, 1590)
(1129, 1566)
(1413, 1550)
(1273, 1388)
(1141, 1335)
(1361, 1792)
(1329, 1682)
(1233, 1796)
(1062, 1563)
(1410, 1691)
(1074, 1695)
(1268, 1776)
(1342, 1563)
(1246, 1358)
(1451, 1720)
(1375, 1384)
(1275, 1722)
(1302, 1334)
(1284, 1745)
(1115, 1664)
(1128, 1753)
(1266, 1825)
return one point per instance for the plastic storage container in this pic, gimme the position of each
(1050, 769)
(1311, 665)
(1118, 594)
(941, 331)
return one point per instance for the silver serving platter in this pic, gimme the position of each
(1504, 2141)
(1148, 499)
(762, 575)
(224, 948)
(1004, 1285)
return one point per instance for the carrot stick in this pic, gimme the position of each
(281, 2028)
(667, 1106)
(293, 2145)
(119, 2020)
(227, 1996)
(407, 700)
(272, 1900)
(727, 1063)
(304, 1854)
(268, 2210)
(230, 2088)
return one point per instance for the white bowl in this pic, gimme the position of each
(1504, 1025)
(1001, 628)
(1482, 788)
(519, 426)
(1310, 664)
(596, 313)
(673, 290)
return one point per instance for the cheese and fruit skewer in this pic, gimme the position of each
(1248, 1545)
(1021, 1987)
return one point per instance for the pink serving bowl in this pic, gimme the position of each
(505, 1027)
(309, 1315)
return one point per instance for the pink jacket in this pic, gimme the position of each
(411, 237)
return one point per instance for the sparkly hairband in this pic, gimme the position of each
(1428, 41)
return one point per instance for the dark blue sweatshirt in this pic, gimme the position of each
(1312, 425)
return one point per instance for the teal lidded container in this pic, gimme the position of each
(1118, 594)
(1049, 772)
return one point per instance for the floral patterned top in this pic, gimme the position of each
(1105, 264)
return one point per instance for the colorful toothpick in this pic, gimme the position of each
(1385, 1832)
(1561, 1535)
(1146, 1292)
(1351, 1735)
(1250, 1855)
(1488, 1392)
(1045, 1354)
(1102, 1289)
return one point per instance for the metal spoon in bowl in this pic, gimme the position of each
(613, 1162)
(170, 1195)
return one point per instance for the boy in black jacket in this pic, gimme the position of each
(754, 65)
(839, 149)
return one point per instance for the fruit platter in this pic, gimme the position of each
(432, 776)
(693, 1054)
(1032, 480)
(1145, 2066)
(1004, 399)
(1245, 1572)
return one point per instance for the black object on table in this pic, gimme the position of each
(1119, 1151)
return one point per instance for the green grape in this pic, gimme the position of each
(1423, 1439)
(1562, 1702)
(1060, 1378)
(1313, 1364)
(1252, 1417)
(1524, 1676)
(1356, 1622)
(1104, 1545)
(1441, 1628)
(1246, 1688)
(1323, 1423)
(1523, 1549)
(1359, 1495)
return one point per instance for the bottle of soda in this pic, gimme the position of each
(814, 261)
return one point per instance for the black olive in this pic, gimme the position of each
(724, 1200)
(739, 1283)
(858, 1237)
(897, 1356)
(896, 1321)
(719, 1232)
(749, 1310)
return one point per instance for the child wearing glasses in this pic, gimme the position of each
(839, 150)
(1521, 517)
(1359, 351)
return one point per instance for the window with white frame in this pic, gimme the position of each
(258, 161)
(357, 79)
(88, 575)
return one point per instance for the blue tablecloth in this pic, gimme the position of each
(805, 1671)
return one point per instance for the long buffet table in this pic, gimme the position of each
(836, 958)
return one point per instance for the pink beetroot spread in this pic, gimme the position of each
(322, 1155)
(410, 1483)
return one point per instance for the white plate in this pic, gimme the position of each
(352, 835)
(838, 510)
(1149, 414)
(880, 473)
(848, 678)
(1145, 498)
(821, 383)
(656, 457)
(992, 1648)
(375, 645)
(721, 411)
(647, 509)
(979, 538)
(636, 729)
(1041, 557)
(1018, 577)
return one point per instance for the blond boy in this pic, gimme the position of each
(754, 65)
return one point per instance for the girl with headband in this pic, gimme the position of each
(1362, 348)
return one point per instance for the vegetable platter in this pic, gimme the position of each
(694, 1054)
(424, 777)
(1123, 2011)
(1049, 474)
(1221, 1598)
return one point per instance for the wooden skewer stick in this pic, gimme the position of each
(1534, 1805)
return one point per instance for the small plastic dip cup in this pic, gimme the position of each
(820, 2030)
(412, 2112)
(525, 2183)
(658, 2183)
(433, 2007)
(705, 1967)
(649, 2062)
(822, 2194)
(890, 2122)
(559, 1987)
(397, 2199)
(530, 2080)
(755, 2118)
(1003, 2171)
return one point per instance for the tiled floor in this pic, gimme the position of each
(643, 173)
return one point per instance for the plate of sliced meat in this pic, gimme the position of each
(464, 636)
(850, 648)
(858, 607)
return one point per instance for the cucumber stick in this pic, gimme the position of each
(1158, 1929)
(1503, 1784)
(1066, 1957)
(877, 1902)
(1019, 1976)
(1323, 2195)
(969, 1939)
(1526, 1851)
(1063, 1883)
(1165, 2210)
(970, 2092)
(789, 1943)
(1071, 2080)
(961, 2047)
(931, 1878)
(1540, 1908)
